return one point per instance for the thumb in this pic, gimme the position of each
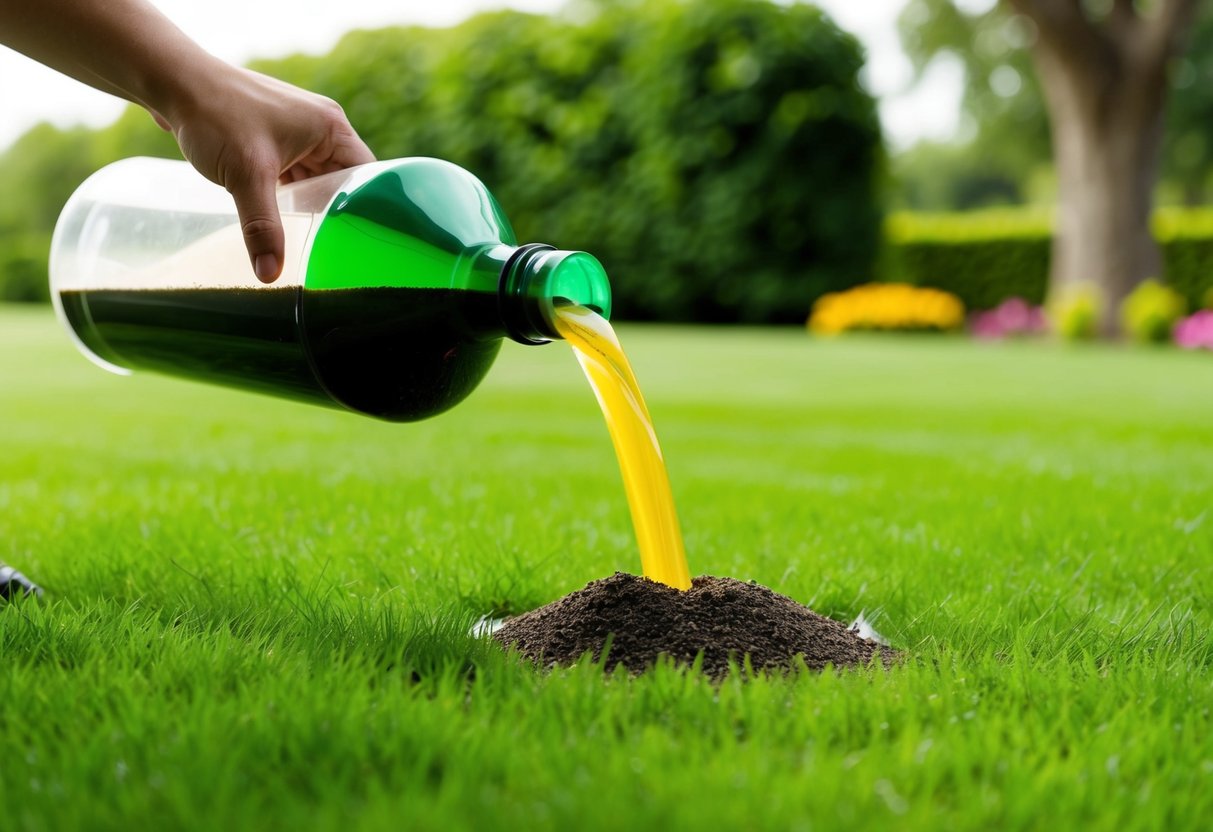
(261, 224)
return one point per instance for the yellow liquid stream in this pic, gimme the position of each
(662, 556)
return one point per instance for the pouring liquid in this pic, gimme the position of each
(645, 481)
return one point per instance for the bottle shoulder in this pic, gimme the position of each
(404, 222)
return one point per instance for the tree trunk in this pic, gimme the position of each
(1106, 144)
(1105, 85)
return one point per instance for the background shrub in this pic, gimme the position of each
(1150, 312)
(23, 280)
(718, 156)
(1075, 312)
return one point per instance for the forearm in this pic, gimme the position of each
(123, 47)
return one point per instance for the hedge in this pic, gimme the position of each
(985, 257)
(1187, 252)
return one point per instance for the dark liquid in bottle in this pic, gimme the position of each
(398, 354)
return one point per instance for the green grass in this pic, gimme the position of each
(257, 611)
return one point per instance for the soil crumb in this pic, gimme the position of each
(723, 617)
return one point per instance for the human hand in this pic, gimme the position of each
(248, 132)
(240, 129)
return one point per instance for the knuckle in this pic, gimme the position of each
(258, 226)
(245, 166)
(332, 112)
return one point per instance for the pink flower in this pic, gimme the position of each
(985, 325)
(1195, 331)
(1014, 316)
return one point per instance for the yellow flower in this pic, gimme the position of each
(888, 307)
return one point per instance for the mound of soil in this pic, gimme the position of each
(722, 617)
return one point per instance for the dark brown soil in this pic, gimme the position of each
(724, 618)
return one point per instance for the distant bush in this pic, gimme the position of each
(1150, 312)
(1075, 311)
(719, 156)
(23, 267)
(986, 257)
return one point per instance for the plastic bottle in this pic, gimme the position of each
(400, 281)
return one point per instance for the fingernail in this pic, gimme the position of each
(266, 267)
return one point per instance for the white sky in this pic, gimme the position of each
(30, 93)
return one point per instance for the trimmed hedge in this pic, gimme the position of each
(985, 257)
(1187, 252)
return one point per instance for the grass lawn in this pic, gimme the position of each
(257, 612)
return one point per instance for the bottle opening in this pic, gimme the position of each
(537, 278)
(578, 279)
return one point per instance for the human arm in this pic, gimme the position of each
(240, 129)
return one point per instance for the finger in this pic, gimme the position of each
(315, 165)
(351, 150)
(261, 225)
(356, 153)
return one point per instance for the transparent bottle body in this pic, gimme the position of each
(388, 303)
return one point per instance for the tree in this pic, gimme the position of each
(1103, 70)
(673, 138)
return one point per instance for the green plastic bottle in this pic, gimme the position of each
(401, 279)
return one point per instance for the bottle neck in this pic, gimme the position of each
(536, 278)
